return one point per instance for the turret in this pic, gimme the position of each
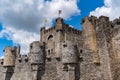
(36, 53)
(116, 21)
(9, 56)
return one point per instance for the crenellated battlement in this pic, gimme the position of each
(65, 27)
(103, 19)
(50, 30)
(116, 21)
(23, 59)
(60, 26)
(96, 21)
(72, 30)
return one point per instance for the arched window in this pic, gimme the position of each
(50, 37)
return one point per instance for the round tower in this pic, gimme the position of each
(36, 53)
(69, 53)
(9, 57)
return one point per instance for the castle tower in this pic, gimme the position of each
(115, 49)
(9, 62)
(103, 34)
(37, 59)
(59, 29)
(9, 56)
(89, 37)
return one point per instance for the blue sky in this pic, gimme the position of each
(4, 42)
(86, 6)
(21, 21)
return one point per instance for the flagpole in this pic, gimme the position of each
(59, 12)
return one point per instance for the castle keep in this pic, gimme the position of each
(65, 53)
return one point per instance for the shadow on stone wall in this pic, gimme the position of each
(40, 74)
(117, 74)
(9, 73)
(77, 72)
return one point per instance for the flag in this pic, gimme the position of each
(45, 20)
(60, 12)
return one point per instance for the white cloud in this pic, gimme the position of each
(22, 19)
(111, 9)
(1, 57)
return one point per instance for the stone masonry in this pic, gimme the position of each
(65, 53)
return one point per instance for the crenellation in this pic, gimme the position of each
(22, 59)
(25, 58)
(103, 19)
(50, 30)
(116, 21)
(72, 30)
(42, 29)
(93, 20)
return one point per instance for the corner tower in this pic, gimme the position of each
(89, 37)
(10, 56)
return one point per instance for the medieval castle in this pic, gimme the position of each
(65, 53)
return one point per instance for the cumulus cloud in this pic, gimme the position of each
(22, 19)
(111, 9)
(1, 57)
